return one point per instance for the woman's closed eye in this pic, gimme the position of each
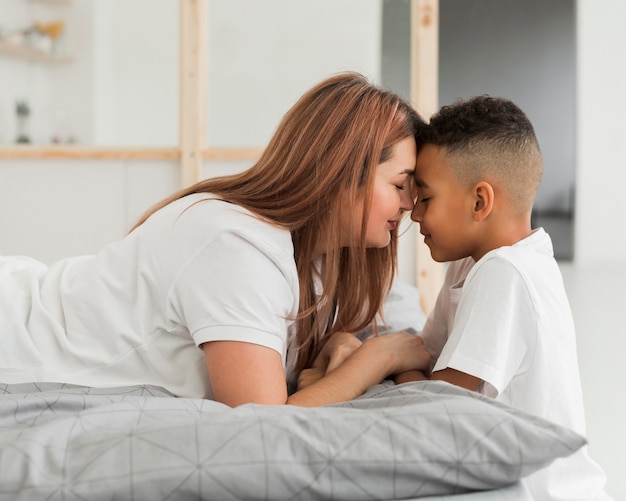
(406, 184)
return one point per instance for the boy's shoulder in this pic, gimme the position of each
(534, 254)
(530, 260)
(535, 247)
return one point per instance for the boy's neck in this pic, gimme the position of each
(502, 234)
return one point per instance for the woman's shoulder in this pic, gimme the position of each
(207, 217)
(211, 210)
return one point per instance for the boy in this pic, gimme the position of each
(502, 324)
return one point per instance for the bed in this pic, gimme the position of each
(424, 440)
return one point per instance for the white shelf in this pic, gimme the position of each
(32, 54)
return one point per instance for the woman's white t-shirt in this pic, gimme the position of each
(198, 270)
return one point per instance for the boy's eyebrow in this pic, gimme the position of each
(421, 183)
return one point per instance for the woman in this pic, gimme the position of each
(260, 270)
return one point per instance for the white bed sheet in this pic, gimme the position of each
(515, 492)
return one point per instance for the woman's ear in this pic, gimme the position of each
(483, 200)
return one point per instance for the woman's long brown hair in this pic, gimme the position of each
(325, 151)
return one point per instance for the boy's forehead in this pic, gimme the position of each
(429, 159)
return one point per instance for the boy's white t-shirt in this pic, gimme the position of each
(198, 270)
(506, 320)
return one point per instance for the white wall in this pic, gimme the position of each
(51, 209)
(135, 72)
(600, 225)
(264, 55)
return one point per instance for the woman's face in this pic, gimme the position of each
(392, 195)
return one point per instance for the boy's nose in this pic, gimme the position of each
(416, 213)
(406, 202)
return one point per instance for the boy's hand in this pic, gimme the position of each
(406, 351)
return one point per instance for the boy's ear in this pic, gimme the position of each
(483, 200)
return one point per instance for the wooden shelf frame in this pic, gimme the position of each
(24, 52)
(192, 150)
(21, 151)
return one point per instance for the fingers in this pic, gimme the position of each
(336, 350)
(309, 376)
(341, 351)
(407, 351)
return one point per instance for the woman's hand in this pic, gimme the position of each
(338, 347)
(336, 350)
(374, 360)
(400, 352)
(309, 376)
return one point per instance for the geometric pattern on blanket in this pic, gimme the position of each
(418, 439)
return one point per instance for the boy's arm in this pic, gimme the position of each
(452, 376)
(408, 376)
(457, 378)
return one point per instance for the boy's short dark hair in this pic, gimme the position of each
(489, 138)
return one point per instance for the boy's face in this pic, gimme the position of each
(444, 208)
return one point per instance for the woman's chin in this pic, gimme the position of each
(379, 244)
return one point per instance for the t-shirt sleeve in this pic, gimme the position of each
(437, 327)
(494, 329)
(237, 288)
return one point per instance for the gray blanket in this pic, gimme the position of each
(417, 439)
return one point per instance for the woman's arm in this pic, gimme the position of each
(247, 373)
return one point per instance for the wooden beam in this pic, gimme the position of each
(425, 99)
(232, 153)
(193, 88)
(25, 151)
(80, 152)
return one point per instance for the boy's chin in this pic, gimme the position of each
(439, 259)
(438, 256)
